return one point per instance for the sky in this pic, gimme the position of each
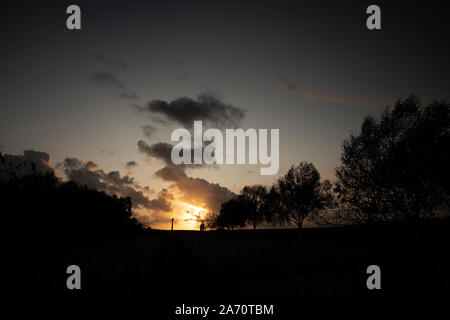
(102, 101)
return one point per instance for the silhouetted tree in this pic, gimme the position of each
(232, 214)
(398, 166)
(271, 207)
(300, 193)
(254, 197)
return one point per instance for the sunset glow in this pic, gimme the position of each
(186, 217)
(192, 217)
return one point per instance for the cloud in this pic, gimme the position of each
(163, 151)
(144, 111)
(106, 79)
(111, 63)
(89, 174)
(2, 147)
(148, 130)
(91, 165)
(196, 191)
(20, 165)
(131, 164)
(163, 202)
(185, 111)
(296, 89)
(108, 152)
(170, 173)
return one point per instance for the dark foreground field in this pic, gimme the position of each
(162, 268)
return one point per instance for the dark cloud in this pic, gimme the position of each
(89, 173)
(207, 107)
(20, 165)
(170, 173)
(107, 79)
(111, 63)
(2, 147)
(296, 89)
(163, 151)
(114, 178)
(148, 130)
(91, 165)
(197, 191)
(162, 203)
(131, 164)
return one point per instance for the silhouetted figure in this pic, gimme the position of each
(202, 227)
(172, 225)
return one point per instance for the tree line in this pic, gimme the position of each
(395, 169)
(41, 208)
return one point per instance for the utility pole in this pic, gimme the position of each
(172, 225)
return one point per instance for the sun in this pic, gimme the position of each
(187, 216)
(195, 209)
(193, 214)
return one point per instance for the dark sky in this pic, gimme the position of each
(311, 69)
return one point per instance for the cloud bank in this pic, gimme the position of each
(89, 174)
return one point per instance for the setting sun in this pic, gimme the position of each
(186, 216)
(195, 209)
(192, 216)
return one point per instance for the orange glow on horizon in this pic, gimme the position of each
(186, 217)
